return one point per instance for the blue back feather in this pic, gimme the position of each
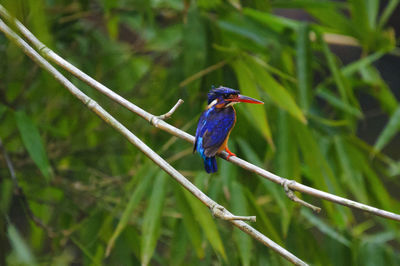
(212, 130)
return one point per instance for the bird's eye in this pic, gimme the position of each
(226, 96)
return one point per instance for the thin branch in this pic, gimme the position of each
(220, 212)
(159, 123)
(103, 114)
(10, 166)
(169, 113)
(294, 198)
(19, 192)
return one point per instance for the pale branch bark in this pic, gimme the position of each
(159, 123)
(217, 210)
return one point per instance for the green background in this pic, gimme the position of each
(328, 115)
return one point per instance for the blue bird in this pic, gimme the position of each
(216, 123)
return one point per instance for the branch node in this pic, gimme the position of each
(220, 212)
(290, 194)
(44, 49)
(91, 104)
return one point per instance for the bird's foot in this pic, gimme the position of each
(229, 153)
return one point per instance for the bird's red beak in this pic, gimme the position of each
(244, 99)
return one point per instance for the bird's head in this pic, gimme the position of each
(223, 97)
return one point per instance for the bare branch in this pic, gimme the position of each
(294, 198)
(169, 113)
(103, 114)
(159, 123)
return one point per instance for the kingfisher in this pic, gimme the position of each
(216, 123)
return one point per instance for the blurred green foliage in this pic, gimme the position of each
(100, 194)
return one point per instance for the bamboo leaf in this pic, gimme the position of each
(179, 245)
(251, 155)
(318, 170)
(277, 23)
(152, 218)
(379, 89)
(387, 12)
(275, 90)
(287, 160)
(336, 102)
(304, 66)
(392, 127)
(324, 228)
(344, 89)
(207, 223)
(243, 240)
(358, 65)
(372, 9)
(194, 43)
(23, 253)
(189, 221)
(248, 86)
(33, 143)
(351, 174)
(134, 200)
(263, 220)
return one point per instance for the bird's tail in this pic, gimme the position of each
(210, 164)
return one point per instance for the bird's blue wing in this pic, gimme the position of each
(215, 137)
(212, 130)
(200, 126)
(216, 130)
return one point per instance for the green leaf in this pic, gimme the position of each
(248, 86)
(179, 245)
(375, 184)
(318, 170)
(339, 104)
(23, 253)
(239, 207)
(333, 18)
(287, 160)
(83, 248)
(379, 89)
(263, 221)
(387, 12)
(359, 16)
(277, 23)
(189, 221)
(134, 200)
(389, 131)
(194, 45)
(319, 5)
(358, 65)
(343, 87)
(351, 174)
(324, 228)
(39, 21)
(275, 90)
(204, 218)
(33, 143)
(152, 218)
(304, 66)
(372, 9)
